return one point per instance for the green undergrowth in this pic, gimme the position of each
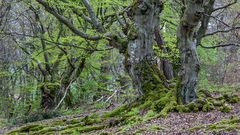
(232, 123)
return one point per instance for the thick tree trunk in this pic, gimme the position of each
(188, 54)
(141, 64)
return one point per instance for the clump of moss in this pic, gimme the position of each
(134, 111)
(26, 128)
(182, 108)
(225, 108)
(224, 125)
(150, 114)
(234, 99)
(116, 111)
(193, 107)
(208, 107)
(90, 128)
(219, 102)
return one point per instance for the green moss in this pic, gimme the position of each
(208, 106)
(116, 111)
(90, 128)
(234, 99)
(182, 108)
(93, 119)
(168, 107)
(45, 130)
(73, 121)
(156, 127)
(193, 107)
(228, 124)
(150, 114)
(134, 111)
(226, 97)
(40, 127)
(219, 102)
(27, 128)
(225, 108)
(132, 120)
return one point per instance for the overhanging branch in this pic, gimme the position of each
(67, 22)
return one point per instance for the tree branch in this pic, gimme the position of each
(217, 46)
(93, 17)
(221, 31)
(223, 7)
(67, 22)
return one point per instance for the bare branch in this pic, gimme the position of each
(221, 45)
(221, 31)
(226, 6)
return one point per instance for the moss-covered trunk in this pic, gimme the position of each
(188, 54)
(72, 72)
(141, 64)
(48, 95)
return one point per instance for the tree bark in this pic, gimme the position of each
(141, 64)
(48, 92)
(188, 55)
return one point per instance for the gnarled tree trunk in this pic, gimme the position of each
(188, 55)
(141, 64)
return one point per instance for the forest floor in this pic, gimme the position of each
(196, 123)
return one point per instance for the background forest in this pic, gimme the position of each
(74, 58)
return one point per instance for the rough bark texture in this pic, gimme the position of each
(188, 55)
(141, 64)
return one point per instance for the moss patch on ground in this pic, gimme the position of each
(232, 123)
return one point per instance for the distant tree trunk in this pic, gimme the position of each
(165, 65)
(188, 55)
(141, 64)
(72, 72)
